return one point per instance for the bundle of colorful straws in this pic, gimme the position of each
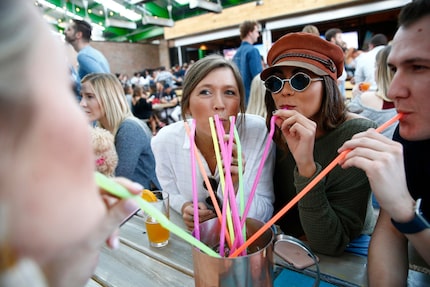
(231, 215)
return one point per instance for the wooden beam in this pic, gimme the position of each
(232, 17)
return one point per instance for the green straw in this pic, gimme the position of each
(240, 166)
(119, 191)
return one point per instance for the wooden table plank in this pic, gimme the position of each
(136, 263)
(128, 267)
(176, 254)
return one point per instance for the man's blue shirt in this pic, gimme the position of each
(248, 60)
(90, 61)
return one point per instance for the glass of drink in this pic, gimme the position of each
(158, 236)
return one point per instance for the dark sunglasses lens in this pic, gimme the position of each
(273, 84)
(300, 82)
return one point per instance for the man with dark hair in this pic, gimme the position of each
(399, 169)
(365, 69)
(247, 57)
(334, 35)
(90, 60)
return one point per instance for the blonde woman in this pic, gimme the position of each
(103, 101)
(256, 103)
(374, 104)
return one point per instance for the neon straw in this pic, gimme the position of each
(118, 190)
(206, 179)
(304, 191)
(221, 174)
(240, 168)
(260, 168)
(194, 182)
(389, 122)
(226, 191)
(229, 189)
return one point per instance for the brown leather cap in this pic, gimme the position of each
(307, 51)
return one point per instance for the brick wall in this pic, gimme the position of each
(129, 57)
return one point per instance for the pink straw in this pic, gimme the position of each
(194, 182)
(260, 168)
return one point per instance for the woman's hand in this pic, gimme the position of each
(299, 133)
(188, 214)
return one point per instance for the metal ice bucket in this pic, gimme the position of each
(252, 270)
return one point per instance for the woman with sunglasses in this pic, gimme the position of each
(312, 123)
(213, 86)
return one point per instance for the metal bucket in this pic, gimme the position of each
(252, 270)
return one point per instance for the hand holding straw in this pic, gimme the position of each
(194, 182)
(121, 192)
(304, 191)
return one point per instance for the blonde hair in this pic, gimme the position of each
(17, 52)
(256, 104)
(384, 75)
(311, 29)
(110, 96)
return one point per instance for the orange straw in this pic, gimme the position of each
(304, 191)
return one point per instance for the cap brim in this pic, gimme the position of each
(268, 71)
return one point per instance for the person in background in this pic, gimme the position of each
(170, 98)
(312, 123)
(128, 92)
(365, 68)
(334, 35)
(213, 86)
(104, 102)
(142, 108)
(375, 105)
(351, 55)
(399, 169)
(247, 57)
(90, 60)
(256, 103)
(54, 220)
(311, 29)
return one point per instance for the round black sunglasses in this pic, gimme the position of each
(298, 82)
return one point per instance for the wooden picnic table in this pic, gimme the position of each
(138, 264)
